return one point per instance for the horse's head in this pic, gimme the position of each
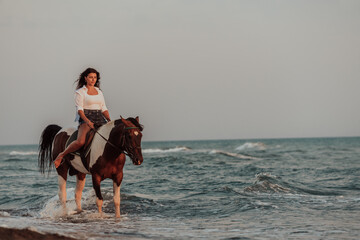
(131, 140)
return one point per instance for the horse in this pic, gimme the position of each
(106, 159)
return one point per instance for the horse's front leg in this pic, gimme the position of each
(120, 161)
(116, 190)
(96, 179)
(80, 184)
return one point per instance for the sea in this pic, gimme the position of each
(217, 189)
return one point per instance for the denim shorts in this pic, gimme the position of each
(95, 116)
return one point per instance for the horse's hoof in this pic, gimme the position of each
(78, 212)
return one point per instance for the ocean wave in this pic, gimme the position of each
(251, 145)
(170, 150)
(267, 183)
(14, 153)
(201, 151)
(235, 155)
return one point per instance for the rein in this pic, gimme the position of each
(107, 140)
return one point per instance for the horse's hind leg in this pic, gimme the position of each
(62, 170)
(80, 183)
(62, 193)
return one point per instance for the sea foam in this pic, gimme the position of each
(170, 150)
(235, 155)
(250, 145)
(14, 153)
(53, 208)
(4, 214)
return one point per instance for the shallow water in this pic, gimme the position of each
(246, 189)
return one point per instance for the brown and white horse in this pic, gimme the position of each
(106, 158)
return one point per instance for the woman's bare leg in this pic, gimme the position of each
(75, 145)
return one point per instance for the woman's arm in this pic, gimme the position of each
(104, 109)
(106, 115)
(83, 117)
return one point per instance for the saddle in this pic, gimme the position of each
(83, 152)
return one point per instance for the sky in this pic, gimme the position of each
(190, 69)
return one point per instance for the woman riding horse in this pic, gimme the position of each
(106, 157)
(91, 109)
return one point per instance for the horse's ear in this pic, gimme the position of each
(123, 119)
(137, 118)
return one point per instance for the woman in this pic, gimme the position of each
(91, 109)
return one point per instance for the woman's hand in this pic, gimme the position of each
(106, 115)
(90, 124)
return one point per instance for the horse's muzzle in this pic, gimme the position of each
(137, 161)
(137, 158)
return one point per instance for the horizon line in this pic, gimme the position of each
(220, 139)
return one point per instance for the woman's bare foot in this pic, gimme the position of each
(58, 161)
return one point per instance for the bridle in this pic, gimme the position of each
(128, 149)
(125, 148)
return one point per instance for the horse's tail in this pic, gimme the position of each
(45, 147)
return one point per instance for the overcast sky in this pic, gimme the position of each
(190, 69)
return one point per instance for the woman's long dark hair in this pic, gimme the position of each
(81, 81)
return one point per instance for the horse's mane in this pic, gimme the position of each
(133, 121)
(136, 123)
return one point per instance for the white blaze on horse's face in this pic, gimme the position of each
(135, 143)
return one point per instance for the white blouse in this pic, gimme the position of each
(85, 101)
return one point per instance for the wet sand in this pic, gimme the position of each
(28, 234)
